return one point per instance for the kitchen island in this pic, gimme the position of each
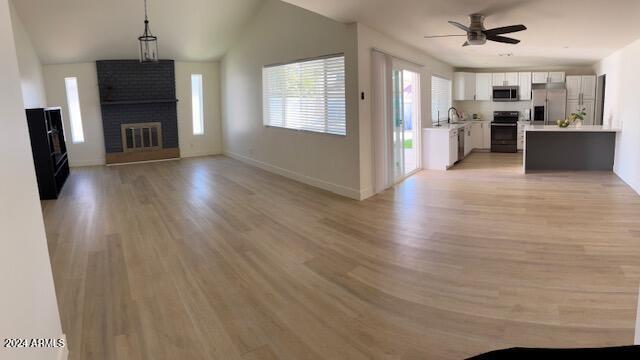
(588, 147)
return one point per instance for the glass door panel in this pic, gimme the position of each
(398, 125)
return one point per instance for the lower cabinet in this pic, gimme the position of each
(521, 125)
(439, 148)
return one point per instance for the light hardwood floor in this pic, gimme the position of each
(209, 258)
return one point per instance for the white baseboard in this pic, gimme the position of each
(366, 193)
(199, 153)
(94, 162)
(63, 352)
(335, 188)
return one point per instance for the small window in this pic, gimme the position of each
(306, 95)
(197, 107)
(440, 98)
(75, 117)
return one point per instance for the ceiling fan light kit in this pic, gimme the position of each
(477, 34)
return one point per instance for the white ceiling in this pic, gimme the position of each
(560, 32)
(69, 31)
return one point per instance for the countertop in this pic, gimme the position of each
(572, 128)
(447, 127)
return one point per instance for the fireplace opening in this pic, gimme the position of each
(141, 137)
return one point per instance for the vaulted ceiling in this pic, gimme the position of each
(560, 32)
(69, 31)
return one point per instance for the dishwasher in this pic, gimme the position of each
(461, 134)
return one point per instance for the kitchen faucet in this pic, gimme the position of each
(449, 114)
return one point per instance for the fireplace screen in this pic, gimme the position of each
(141, 136)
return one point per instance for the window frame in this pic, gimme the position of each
(75, 115)
(200, 103)
(435, 121)
(326, 122)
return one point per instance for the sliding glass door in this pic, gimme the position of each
(406, 122)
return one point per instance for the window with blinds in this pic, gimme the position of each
(440, 98)
(306, 95)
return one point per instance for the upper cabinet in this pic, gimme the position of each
(505, 79)
(464, 86)
(548, 77)
(499, 79)
(524, 81)
(556, 77)
(581, 93)
(484, 86)
(581, 87)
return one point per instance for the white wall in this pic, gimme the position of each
(281, 32)
(210, 142)
(367, 40)
(31, 79)
(91, 151)
(486, 108)
(28, 306)
(622, 109)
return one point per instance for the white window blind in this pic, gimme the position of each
(75, 116)
(440, 98)
(306, 95)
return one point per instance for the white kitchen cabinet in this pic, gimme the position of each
(511, 79)
(572, 106)
(524, 82)
(587, 105)
(540, 77)
(589, 108)
(464, 86)
(521, 126)
(574, 87)
(544, 77)
(588, 87)
(477, 134)
(453, 148)
(498, 79)
(439, 149)
(505, 79)
(581, 93)
(556, 77)
(468, 141)
(486, 134)
(484, 87)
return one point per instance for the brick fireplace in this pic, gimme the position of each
(139, 115)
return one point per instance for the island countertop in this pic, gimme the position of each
(572, 128)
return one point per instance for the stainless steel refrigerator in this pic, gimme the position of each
(548, 106)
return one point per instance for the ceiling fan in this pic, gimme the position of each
(478, 35)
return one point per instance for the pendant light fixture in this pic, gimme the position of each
(148, 42)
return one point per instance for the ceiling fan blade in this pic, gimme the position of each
(440, 36)
(466, 43)
(459, 26)
(505, 30)
(503, 39)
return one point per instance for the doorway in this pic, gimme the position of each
(406, 122)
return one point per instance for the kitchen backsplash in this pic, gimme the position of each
(486, 108)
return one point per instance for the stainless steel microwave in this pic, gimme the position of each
(505, 93)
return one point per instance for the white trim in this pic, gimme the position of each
(83, 163)
(63, 352)
(143, 162)
(366, 193)
(636, 340)
(199, 153)
(325, 185)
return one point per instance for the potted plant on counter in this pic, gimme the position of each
(576, 117)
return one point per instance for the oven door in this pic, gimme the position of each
(504, 137)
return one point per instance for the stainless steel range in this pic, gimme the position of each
(504, 131)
